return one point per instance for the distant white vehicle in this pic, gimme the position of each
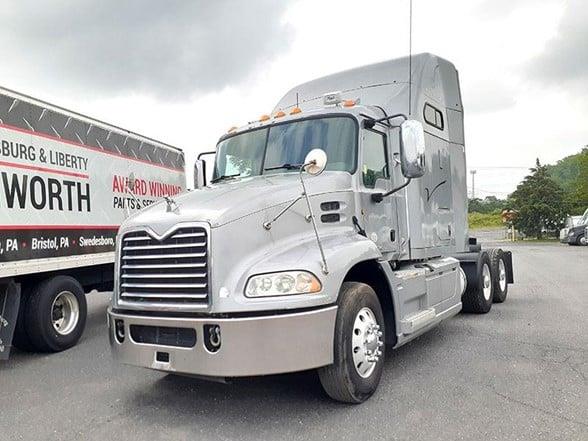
(576, 234)
(571, 221)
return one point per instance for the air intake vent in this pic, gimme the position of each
(330, 218)
(330, 206)
(172, 272)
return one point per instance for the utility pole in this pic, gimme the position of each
(473, 173)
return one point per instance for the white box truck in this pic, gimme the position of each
(66, 184)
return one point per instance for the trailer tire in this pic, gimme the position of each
(56, 314)
(342, 381)
(499, 277)
(478, 294)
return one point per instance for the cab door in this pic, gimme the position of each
(379, 219)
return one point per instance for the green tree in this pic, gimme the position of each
(540, 202)
(571, 173)
(490, 204)
(579, 192)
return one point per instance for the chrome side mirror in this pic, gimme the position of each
(199, 172)
(315, 162)
(412, 149)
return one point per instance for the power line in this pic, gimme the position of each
(497, 167)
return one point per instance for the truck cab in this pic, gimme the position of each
(331, 229)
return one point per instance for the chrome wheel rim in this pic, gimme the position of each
(486, 282)
(501, 275)
(65, 312)
(366, 342)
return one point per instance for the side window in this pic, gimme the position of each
(375, 164)
(433, 117)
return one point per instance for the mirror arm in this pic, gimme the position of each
(370, 122)
(379, 197)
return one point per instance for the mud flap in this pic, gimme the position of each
(509, 268)
(9, 303)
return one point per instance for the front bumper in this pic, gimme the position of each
(260, 345)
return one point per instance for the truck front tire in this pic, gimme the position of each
(55, 315)
(359, 347)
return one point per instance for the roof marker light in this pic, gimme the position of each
(295, 111)
(332, 98)
(232, 129)
(349, 103)
(279, 114)
(264, 118)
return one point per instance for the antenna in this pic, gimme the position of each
(410, 58)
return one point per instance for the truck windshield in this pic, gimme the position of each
(254, 152)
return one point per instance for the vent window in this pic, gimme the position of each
(433, 117)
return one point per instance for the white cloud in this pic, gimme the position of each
(510, 120)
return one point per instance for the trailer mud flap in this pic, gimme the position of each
(9, 303)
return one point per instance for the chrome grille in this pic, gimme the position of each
(172, 272)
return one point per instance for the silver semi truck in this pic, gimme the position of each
(332, 229)
(65, 187)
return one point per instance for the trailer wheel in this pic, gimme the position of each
(56, 314)
(499, 279)
(358, 346)
(478, 294)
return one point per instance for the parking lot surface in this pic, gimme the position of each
(519, 372)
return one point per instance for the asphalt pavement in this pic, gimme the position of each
(517, 373)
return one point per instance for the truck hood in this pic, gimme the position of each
(227, 201)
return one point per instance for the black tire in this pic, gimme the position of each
(496, 262)
(341, 380)
(473, 299)
(21, 339)
(579, 240)
(40, 310)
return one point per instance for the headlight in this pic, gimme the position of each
(282, 284)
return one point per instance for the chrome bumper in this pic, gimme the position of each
(249, 346)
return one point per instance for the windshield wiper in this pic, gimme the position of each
(223, 177)
(286, 166)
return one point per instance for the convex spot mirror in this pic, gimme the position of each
(412, 149)
(315, 162)
(131, 182)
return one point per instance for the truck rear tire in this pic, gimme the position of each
(499, 277)
(478, 294)
(55, 315)
(359, 347)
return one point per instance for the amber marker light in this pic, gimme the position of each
(279, 114)
(295, 111)
(264, 118)
(348, 103)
